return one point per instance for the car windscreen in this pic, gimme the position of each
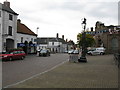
(43, 51)
(92, 49)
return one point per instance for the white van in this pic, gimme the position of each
(97, 51)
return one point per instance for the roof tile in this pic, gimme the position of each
(21, 28)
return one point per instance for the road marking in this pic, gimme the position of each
(35, 75)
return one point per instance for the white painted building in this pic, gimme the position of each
(0, 27)
(9, 27)
(26, 39)
(54, 44)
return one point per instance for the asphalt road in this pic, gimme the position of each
(19, 70)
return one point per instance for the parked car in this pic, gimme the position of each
(65, 51)
(73, 52)
(44, 52)
(70, 51)
(76, 52)
(96, 51)
(19, 54)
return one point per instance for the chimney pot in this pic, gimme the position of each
(6, 3)
(63, 37)
(57, 35)
(19, 20)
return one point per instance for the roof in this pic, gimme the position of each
(45, 40)
(8, 9)
(21, 28)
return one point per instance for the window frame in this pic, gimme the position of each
(10, 31)
(11, 17)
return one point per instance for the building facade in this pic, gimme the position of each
(0, 27)
(108, 37)
(54, 44)
(26, 39)
(9, 27)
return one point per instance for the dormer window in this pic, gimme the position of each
(10, 17)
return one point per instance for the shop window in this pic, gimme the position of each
(114, 44)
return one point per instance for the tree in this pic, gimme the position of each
(89, 40)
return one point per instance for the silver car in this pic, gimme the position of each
(96, 51)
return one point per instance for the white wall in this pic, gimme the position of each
(1, 28)
(42, 46)
(5, 24)
(26, 37)
(55, 43)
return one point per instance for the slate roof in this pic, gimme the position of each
(45, 40)
(21, 28)
(8, 9)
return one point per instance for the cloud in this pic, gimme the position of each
(64, 16)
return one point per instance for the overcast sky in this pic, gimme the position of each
(64, 16)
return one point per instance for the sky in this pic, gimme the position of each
(64, 16)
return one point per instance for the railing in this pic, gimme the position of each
(117, 59)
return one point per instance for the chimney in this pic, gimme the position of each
(63, 37)
(57, 36)
(19, 20)
(6, 3)
(66, 40)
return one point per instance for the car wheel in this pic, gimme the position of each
(22, 58)
(101, 53)
(10, 59)
(91, 54)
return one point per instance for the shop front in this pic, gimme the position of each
(28, 48)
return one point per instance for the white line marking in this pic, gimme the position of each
(35, 75)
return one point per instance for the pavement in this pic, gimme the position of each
(98, 72)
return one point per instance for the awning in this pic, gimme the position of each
(20, 44)
(33, 45)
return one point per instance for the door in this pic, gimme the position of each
(16, 55)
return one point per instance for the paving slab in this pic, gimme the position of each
(98, 72)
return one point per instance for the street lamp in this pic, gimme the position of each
(37, 30)
(83, 55)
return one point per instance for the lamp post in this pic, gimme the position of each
(83, 55)
(37, 30)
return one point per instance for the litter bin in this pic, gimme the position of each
(73, 58)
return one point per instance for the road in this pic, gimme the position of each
(19, 70)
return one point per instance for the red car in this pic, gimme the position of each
(13, 55)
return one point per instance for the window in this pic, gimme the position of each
(0, 13)
(10, 17)
(10, 31)
(21, 39)
(32, 39)
(52, 43)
